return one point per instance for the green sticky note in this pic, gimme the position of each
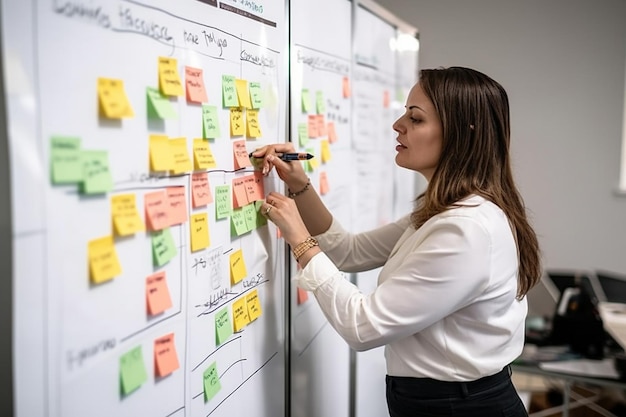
(132, 371)
(223, 326)
(256, 95)
(306, 101)
(66, 164)
(159, 106)
(249, 213)
(97, 177)
(163, 247)
(210, 122)
(261, 220)
(319, 100)
(238, 225)
(222, 201)
(229, 91)
(211, 382)
(303, 134)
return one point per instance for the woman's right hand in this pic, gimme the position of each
(291, 173)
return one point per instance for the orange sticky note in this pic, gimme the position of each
(321, 125)
(237, 126)
(126, 218)
(240, 197)
(160, 153)
(199, 231)
(177, 201)
(169, 80)
(157, 294)
(202, 155)
(323, 183)
(242, 159)
(112, 99)
(157, 210)
(180, 161)
(165, 357)
(313, 126)
(332, 133)
(104, 264)
(254, 187)
(254, 305)
(253, 128)
(240, 314)
(242, 93)
(301, 296)
(196, 92)
(237, 267)
(346, 87)
(200, 190)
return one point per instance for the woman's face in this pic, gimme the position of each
(420, 134)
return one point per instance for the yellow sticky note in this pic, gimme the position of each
(202, 155)
(160, 153)
(179, 155)
(199, 231)
(112, 98)
(326, 156)
(240, 314)
(253, 129)
(254, 305)
(237, 267)
(242, 93)
(104, 264)
(169, 79)
(126, 218)
(237, 127)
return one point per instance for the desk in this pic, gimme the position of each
(569, 380)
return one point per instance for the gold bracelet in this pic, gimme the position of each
(297, 193)
(302, 247)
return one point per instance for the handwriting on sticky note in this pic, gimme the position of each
(253, 128)
(239, 225)
(65, 160)
(240, 197)
(222, 201)
(199, 230)
(254, 305)
(240, 314)
(210, 122)
(237, 126)
(157, 293)
(112, 98)
(196, 92)
(256, 94)
(200, 190)
(165, 356)
(157, 210)
(229, 91)
(211, 382)
(126, 218)
(202, 155)
(223, 326)
(169, 80)
(104, 264)
(97, 177)
(240, 154)
(163, 247)
(237, 267)
(132, 370)
(180, 161)
(176, 205)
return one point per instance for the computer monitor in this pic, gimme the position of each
(613, 286)
(559, 280)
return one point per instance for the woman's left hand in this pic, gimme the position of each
(283, 212)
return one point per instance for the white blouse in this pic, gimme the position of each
(444, 306)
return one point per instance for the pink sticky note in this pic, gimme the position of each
(165, 356)
(200, 189)
(177, 201)
(321, 125)
(196, 93)
(157, 294)
(313, 127)
(242, 159)
(240, 197)
(157, 209)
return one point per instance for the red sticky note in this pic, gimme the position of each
(200, 189)
(177, 201)
(157, 294)
(242, 159)
(157, 209)
(196, 93)
(165, 357)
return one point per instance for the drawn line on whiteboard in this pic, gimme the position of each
(213, 307)
(322, 52)
(175, 411)
(123, 339)
(223, 373)
(211, 354)
(243, 382)
(143, 34)
(312, 339)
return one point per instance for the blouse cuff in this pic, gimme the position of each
(318, 270)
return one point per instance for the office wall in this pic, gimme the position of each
(562, 63)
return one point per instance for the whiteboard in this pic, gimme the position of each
(92, 343)
(321, 103)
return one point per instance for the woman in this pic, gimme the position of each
(450, 302)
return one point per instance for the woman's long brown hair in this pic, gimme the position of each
(475, 160)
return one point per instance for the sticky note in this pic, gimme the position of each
(196, 92)
(302, 296)
(237, 127)
(386, 99)
(306, 100)
(229, 92)
(210, 122)
(332, 133)
(104, 264)
(320, 104)
(326, 155)
(303, 134)
(261, 220)
(254, 305)
(256, 94)
(240, 198)
(158, 297)
(97, 177)
(163, 247)
(165, 356)
(249, 214)
(243, 95)
(211, 382)
(222, 201)
(199, 231)
(179, 156)
(112, 99)
(321, 125)
(240, 314)
(254, 186)
(200, 190)
(132, 371)
(160, 153)
(312, 124)
(237, 267)
(177, 205)
(169, 80)
(240, 153)
(238, 223)
(223, 326)
(125, 216)
(157, 210)
(159, 106)
(66, 165)
(346, 87)
(253, 129)
(324, 183)
(314, 162)
(202, 155)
